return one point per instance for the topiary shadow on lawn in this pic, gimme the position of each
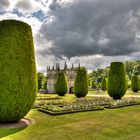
(9, 131)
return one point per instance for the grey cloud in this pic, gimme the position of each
(24, 4)
(4, 4)
(90, 27)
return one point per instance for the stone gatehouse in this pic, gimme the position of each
(52, 76)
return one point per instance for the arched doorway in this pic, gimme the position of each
(71, 90)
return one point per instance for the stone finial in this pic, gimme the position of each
(79, 65)
(65, 66)
(72, 66)
(48, 67)
(58, 66)
(52, 67)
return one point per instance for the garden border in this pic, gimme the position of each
(68, 112)
(113, 107)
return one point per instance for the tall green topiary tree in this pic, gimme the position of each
(80, 84)
(103, 84)
(135, 83)
(18, 80)
(61, 86)
(117, 85)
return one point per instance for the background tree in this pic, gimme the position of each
(90, 80)
(136, 70)
(40, 79)
(97, 77)
(44, 83)
(129, 67)
(103, 85)
(61, 86)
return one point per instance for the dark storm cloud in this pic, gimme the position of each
(88, 27)
(4, 4)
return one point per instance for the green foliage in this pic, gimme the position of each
(81, 84)
(139, 81)
(129, 67)
(97, 77)
(89, 77)
(117, 85)
(84, 69)
(129, 84)
(135, 83)
(61, 86)
(40, 77)
(137, 70)
(103, 84)
(18, 80)
(44, 83)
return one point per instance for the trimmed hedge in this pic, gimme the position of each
(135, 83)
(18, 79)
(119, 106)
(61, 86)
(139, 82)
(40, 77)
(117, 85)
(80, 84)
(96, 108)
(103, 84)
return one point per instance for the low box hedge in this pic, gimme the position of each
(48, 98)
(119, 106)
(67, 112)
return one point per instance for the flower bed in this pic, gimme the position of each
(96, 101)
(122, 103)
(41, 103)
(57, 107)
(57, 110)
(80, 105)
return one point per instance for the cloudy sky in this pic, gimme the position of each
(92, 32)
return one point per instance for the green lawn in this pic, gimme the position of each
(108, 124)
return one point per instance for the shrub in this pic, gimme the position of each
(61, 86)
(44, 83)
(40, 77)
(137, 70)
(18, 80)
(135, 83)
(80, 84)
(129, 84)
(117, 85)
(103, 84)
(139, 82)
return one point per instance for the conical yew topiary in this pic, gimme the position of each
(61, 86)
(18, 80)
(103, 84)
(80, 84)
(117, 85)
(135, 83)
